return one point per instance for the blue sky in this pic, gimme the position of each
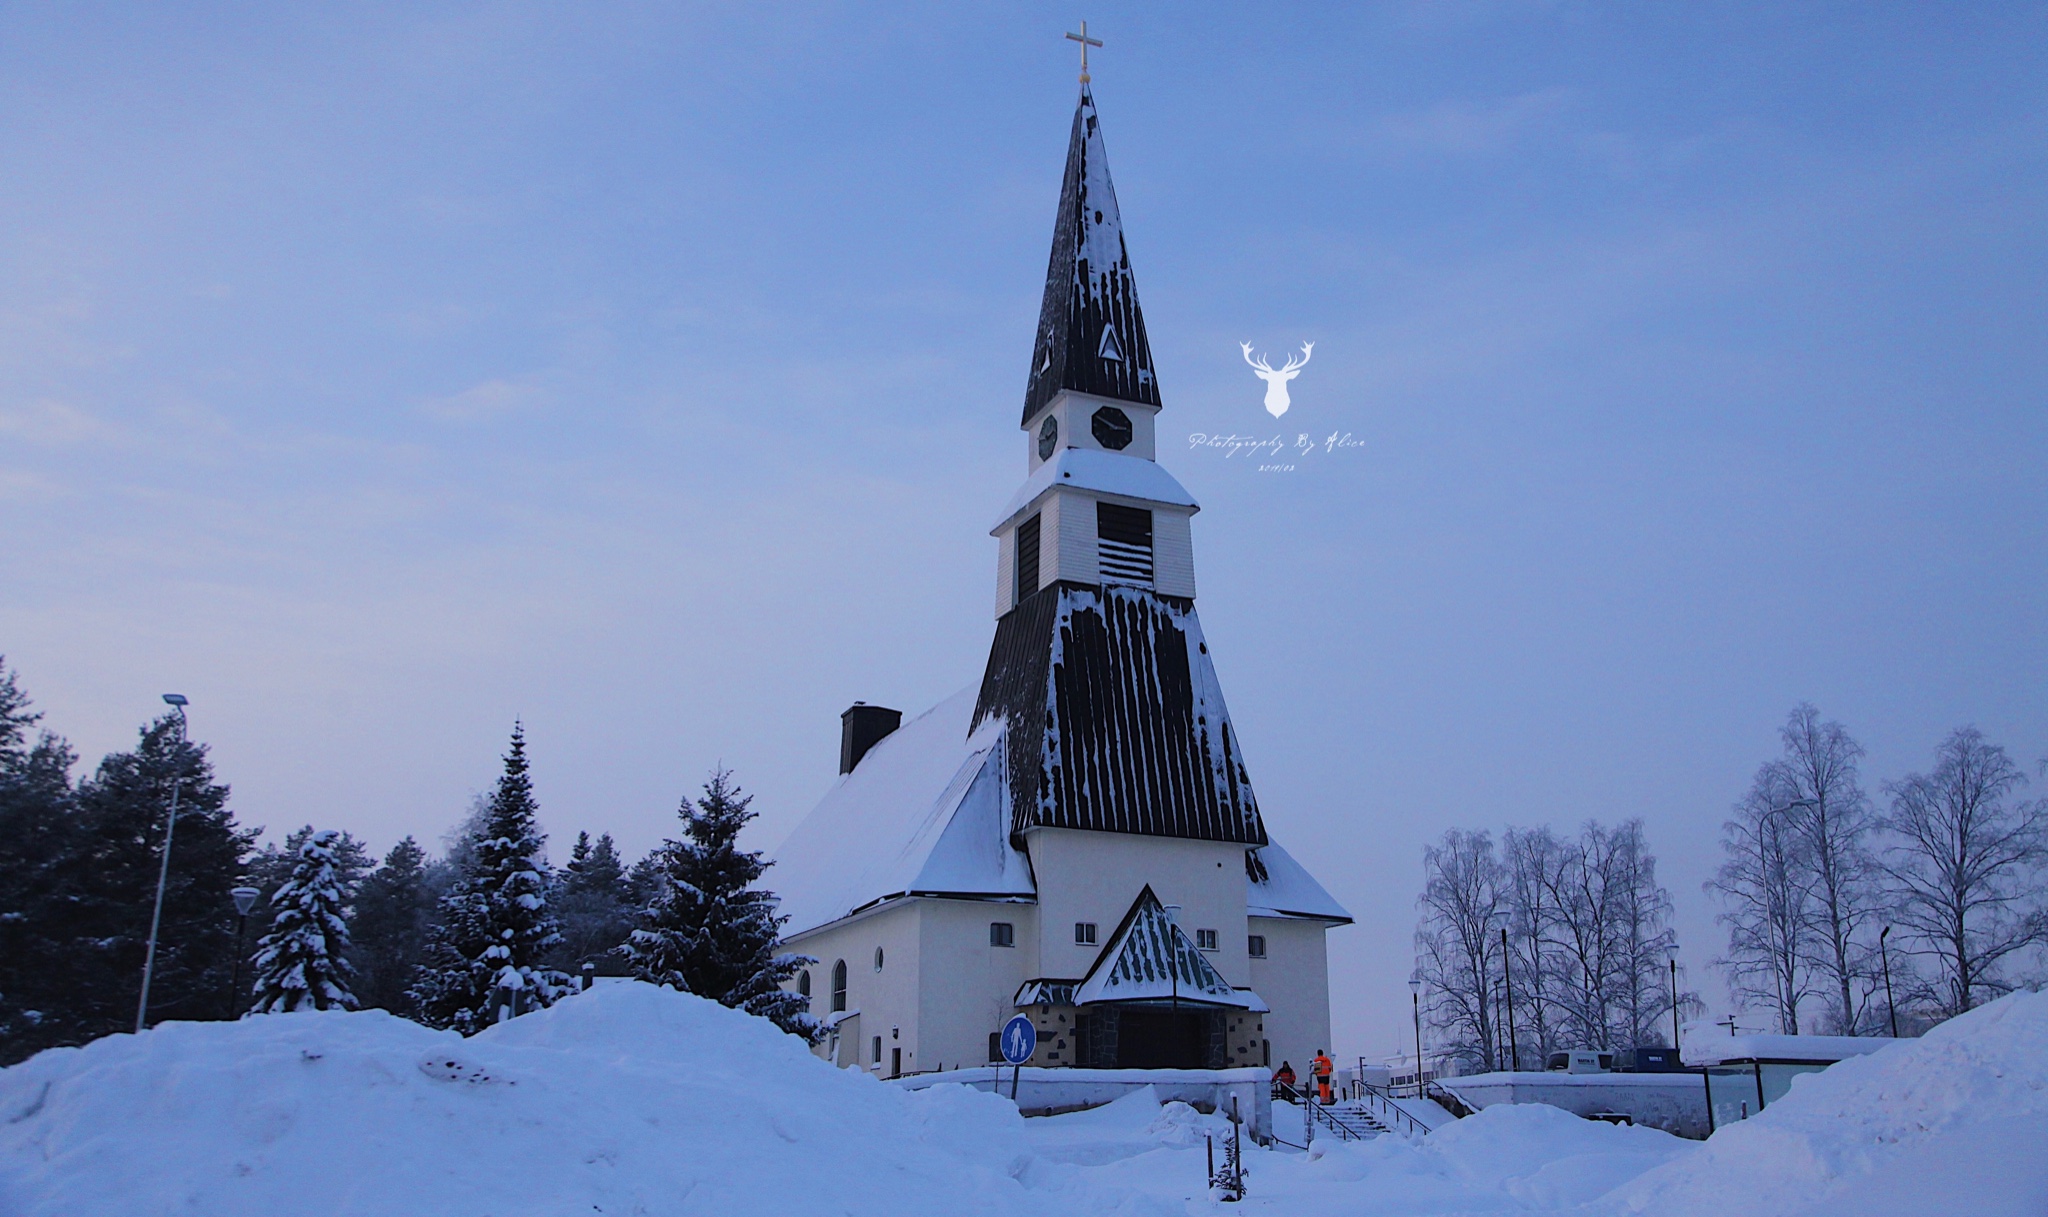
(651, 373)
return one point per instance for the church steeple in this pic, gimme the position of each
(1091, 333)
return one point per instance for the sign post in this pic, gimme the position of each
(1019, 1041)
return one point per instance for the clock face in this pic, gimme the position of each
(1112, 428)
(1048, 437)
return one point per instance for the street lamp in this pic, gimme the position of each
(245, 899)
(1671, 949)
(1508, 986)
(176, 701)
(1890, 1006)
(1415, 1000)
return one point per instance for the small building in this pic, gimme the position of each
(1746, 1073)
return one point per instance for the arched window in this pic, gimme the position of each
(803, 984)
(878, 959)
(839, 986)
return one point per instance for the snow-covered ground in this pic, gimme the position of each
(634, 1100)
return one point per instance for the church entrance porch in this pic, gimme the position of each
(1151, 1037)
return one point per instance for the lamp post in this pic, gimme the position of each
(163, 875)
(1508, 984)
(1415, 1000)
(1671, 949)
(245, 899)
(1891, 1007)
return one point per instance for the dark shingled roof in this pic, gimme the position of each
(1115, 720)
(1091, 333)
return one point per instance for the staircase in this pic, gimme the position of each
(1347, 1121)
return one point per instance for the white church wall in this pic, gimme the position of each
(1173, 553)
(1006, 570)
(887, 1000)
(1070, 536)
(1095, 876)
(1294, 978)
(972, 981)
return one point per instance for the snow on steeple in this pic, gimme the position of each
(1091, 332)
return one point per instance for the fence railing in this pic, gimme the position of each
(1318, 1113)
(1381, 1101)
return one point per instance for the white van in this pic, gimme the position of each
(1579, 1060)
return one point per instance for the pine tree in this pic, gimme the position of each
(38, 832)
(496, 925)
(303, 961)
(394, 916)
(109, 886)
(709, 931)
(592, 902)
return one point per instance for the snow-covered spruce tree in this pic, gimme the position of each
(495, 923)
(302, 962)
(709, 930)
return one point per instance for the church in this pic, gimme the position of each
(1076, 838)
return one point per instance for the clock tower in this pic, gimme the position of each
(1114, 718)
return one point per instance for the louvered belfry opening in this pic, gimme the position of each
(1027, 558)
(1124, 538)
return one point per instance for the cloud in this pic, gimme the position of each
(491, 399)
(1472, 130)
(53, 423)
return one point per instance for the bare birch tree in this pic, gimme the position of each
(1532, 862)
(1763, 892)
(1642, 940)
(1966, 868)
(1833, 821)
(1457, 944)
(1582, 902)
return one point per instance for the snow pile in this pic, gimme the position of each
(626, 1099)
(1135, 1124)
(1505, 1158)
(1954, 1122)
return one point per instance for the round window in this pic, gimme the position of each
(1112, 428)
(1048, 437)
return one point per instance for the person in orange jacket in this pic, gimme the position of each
(1285, 1074)
(1322, 1068)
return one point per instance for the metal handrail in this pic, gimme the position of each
(1317, 1111)
(1385, 1101)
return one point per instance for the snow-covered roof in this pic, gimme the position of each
(1288, 890)
(1149, 958)
(1115, 721)
(1817, 1049)
(1113, 473)
(923, 812)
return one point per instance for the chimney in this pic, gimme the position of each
(861, 728)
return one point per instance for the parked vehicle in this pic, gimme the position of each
(1580, 1060)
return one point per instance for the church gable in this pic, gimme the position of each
(1150, 959)
(1115, 721)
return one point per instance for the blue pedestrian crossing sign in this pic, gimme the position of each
(1020, 1040)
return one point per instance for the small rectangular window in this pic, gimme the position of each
(1205, 939)
(995, 1046)
(1084, 933)
(1255, 946)
(1002, 934)
(878, 1050)
(1027, 558)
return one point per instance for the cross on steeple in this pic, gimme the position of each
(1085, 42)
